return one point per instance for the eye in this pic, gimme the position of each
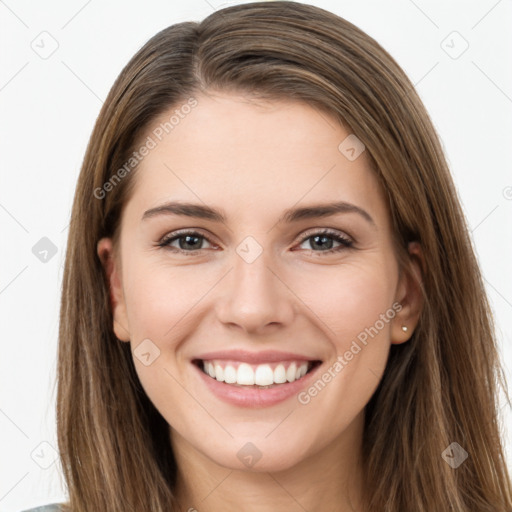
(324, 241)
(186, 242)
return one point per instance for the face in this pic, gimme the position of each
(235, 275)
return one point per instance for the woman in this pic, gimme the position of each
(291, 316)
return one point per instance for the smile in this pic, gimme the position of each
(238, 373)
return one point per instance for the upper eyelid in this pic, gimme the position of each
(185, 232)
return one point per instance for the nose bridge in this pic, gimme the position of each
(253, 296)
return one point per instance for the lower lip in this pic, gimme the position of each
(254, 397)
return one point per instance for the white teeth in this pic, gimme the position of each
(260, 375)
(245, 375)
(291, 373)
(263, 376)
(229, 375)
(219, 373)
(280, 374)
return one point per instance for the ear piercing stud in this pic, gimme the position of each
(404, 328)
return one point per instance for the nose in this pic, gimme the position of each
(254, 297)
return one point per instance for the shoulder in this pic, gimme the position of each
(53, 507)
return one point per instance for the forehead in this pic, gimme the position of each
(265, 155)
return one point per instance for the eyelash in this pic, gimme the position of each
(346, 243)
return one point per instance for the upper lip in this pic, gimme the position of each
(264, 356)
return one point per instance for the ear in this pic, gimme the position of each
(112, 270)
(409, 295)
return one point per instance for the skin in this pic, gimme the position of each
(253, 160)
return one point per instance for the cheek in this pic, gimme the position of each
(160, 307)
(356, 310)
(350, 300)
(160, 300)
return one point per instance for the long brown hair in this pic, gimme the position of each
(439, 387)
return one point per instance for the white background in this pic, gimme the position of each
(47, 111)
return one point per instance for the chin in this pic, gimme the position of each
(259, 454)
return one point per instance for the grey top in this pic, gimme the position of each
(53, 507)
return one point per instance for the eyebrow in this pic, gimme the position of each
(291, 215)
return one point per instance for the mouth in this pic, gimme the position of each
(256, 376)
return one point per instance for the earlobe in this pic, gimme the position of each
(410, 296)
(111, 268)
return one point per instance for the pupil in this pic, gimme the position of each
(324, 239)
(187, 241)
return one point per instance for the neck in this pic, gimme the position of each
(331, 479)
